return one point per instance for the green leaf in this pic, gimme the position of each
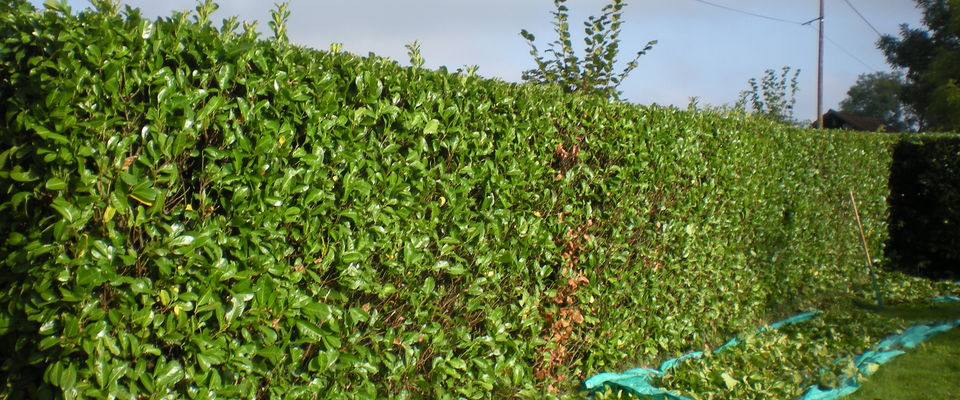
(109, 213)
(146, 29)
(428, 285)
(357, 315)
(225, 75)
(55, 184)
(49, 327)
(273, 201)
(309, 329)
(728, 380)
(431, 127)
(183, 240)
(49, 342)
(331, 340)
(88, 276)
(350, 257)
(272, 353)
(6, 323)
(164, 94)
(46, 134)
(68, 378)
(236, 308)
(317, 311)
(317, 363)
(59, 6)
(67, 210)
(145, 195)
(23, 176)
(169, 375)
(207, 360)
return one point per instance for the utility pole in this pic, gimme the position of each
(820, 73)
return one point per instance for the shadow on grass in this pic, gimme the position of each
(924, 311)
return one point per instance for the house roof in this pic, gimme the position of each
(841, 120)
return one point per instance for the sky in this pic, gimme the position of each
(703, 50)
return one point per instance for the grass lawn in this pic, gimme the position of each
(931, 371)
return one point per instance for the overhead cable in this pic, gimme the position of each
(748, 12)
(848, 53)
(808, 23)
(862, 17)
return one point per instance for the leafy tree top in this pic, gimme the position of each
(773, 96)
(930, 56)
(875, 95)
(594, 71)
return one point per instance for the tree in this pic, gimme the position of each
(931, 56)
(594, 73)
(773, 96)
(876, 96)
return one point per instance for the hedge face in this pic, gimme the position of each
(192, 212)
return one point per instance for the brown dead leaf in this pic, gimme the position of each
(127, 162)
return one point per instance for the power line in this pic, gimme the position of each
(848, 53)
(862, 17)
(808, 23)
(851, 55)
(748, 12)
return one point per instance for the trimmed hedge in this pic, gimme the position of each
(925, 206)
(193, 212)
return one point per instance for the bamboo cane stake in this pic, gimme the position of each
(866, 250)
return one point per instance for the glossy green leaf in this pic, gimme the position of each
(68, 378)
(169, 374)
(184, 240)
(309, 329)
(69, 212)
(55, 184)
(23, 176)
(432, 127)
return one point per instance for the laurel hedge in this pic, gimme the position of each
(195, 212)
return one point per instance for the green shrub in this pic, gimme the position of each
(194, 212)
(925, 206)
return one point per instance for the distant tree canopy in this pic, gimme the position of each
(876, 95)
(931, 57)
(594, 73)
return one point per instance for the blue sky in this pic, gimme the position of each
(704, 51)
